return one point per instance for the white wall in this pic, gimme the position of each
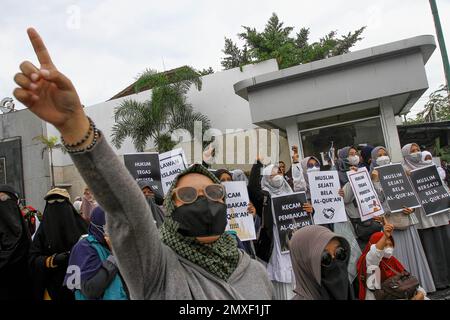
(217, 100)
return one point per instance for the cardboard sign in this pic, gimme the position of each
(171, 163)
(239, 219)
(369, 205)
(433, 196)
(289, 216)
(144, 166)
(328, 204)
(396, 187)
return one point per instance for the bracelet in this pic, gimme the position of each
(51, 261)
(85, 138)
(90, 146)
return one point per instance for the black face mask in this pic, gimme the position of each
(335, 280)
(201, 218)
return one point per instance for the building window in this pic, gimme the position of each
(317, 142)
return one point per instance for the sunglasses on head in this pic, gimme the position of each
(340, 254)
(214, 192)
(52, 201)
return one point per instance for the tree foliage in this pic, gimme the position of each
(276, 42)
(437, 107)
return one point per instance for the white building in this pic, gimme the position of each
(349, 99)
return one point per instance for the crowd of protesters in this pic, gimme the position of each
(122, 240)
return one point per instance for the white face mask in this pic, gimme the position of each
(428, 161)
(415, 157)
(381, 161)
(388, 252)
(313, 169)
(276, 181)
(353, 160)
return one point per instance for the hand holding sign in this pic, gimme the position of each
(251, 209)
(380, 219)
(49, 94)
(407, 211)
(374, 175)
(308, 207)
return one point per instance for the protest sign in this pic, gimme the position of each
(289, 216)
(328, 204)
(239, 219)
(144, 166)
(171, 163)
(396, 187)
(432, 194)
(369, 205)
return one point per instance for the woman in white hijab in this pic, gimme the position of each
(427, 158)
(265, 183)
(408, 248)
(434, 230)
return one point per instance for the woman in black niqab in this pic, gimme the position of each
(61, 227)
(15, 242)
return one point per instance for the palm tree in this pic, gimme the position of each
(50, 143)
(166, 111)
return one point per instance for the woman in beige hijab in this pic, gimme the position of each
(319, 260)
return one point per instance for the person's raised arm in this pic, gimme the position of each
(387, 230)
(254, 186)
(135, 239)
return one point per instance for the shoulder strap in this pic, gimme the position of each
(101, 251)
(395, 271)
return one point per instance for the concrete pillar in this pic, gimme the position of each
(390, 130)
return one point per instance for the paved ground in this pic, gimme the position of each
(440, 295)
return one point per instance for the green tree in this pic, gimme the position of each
(437, 107)
(275, 42)
(50, 144)
(167, 110)
(205, 72)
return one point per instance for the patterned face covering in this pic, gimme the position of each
(219, 258)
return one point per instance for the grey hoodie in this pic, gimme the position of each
(151, 269)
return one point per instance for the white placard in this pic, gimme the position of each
(328, 204)
(239, 219)
(171, 163)
(369, 205)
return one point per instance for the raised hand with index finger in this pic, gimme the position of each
(49, 94)
(388, 228)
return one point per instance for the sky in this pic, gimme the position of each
(103, 45)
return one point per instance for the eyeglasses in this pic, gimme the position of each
(4, 197)
(56, 200)
(214, 192)
(340, 254)
(309, 165)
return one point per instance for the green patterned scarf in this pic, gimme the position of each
(219, 258)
